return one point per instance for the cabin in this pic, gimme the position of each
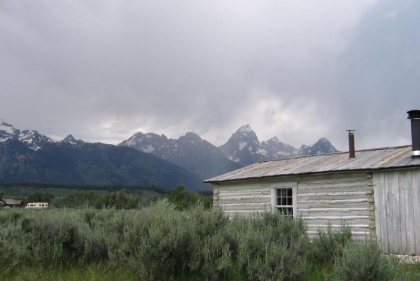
(374, 191)
(10, 203)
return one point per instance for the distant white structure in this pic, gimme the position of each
(37, 205)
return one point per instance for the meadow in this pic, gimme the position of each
(162, 242)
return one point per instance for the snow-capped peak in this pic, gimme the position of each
(245, 129)
(70, 139)
(33, 139)
(7, 131)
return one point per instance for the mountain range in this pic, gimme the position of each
(206, 160)
(143, 159)
(28, 156)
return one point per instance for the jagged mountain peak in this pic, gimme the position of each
(244, 147)
(323, 140)
(244, 129)
(2, 123)
(323, 145)
(29, 133)
(70, 139)
(246, 132)
(191, 137)
(274, 139)
(7, 131)
(33, 139)
(189, 151)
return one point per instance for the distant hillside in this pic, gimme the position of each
(28, 156)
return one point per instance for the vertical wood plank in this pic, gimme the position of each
(385, 211)
(404, 185)
(393, 222)
(380, 211)
(415, 183)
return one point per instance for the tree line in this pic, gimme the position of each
(122, 199)
(110, 187)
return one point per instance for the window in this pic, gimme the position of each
(283, 199)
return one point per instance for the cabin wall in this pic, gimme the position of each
(242, 199)
(337, 199)
(397, 196)
(334, 199)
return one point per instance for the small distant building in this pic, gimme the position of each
(375, 191)
(10, 203)
(37, 205)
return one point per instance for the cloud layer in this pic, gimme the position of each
(104, 70)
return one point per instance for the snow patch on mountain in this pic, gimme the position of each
(132, 141)
(242, 145)
(234, 159)
(149, 148)
(262, 151)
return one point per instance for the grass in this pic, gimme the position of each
(406, 272)
(89, 273)
(319, 273)
(161, 243)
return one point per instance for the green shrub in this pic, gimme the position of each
(364, 261)
(330, 244)
(162, 243)
(165, 243)
(273, 247)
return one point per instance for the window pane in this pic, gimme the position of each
(285, 201)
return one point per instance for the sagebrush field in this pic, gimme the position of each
(163, 243)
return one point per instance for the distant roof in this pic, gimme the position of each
(10, 201)
(369, 159)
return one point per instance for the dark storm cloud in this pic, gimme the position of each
(377, 78)
(103, 70)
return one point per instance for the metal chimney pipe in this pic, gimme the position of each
(414, 116)
(352, 151)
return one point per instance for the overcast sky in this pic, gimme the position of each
(298, 70)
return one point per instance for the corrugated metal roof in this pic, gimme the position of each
(370, 159)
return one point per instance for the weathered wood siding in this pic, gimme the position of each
(242, 198)
(397, 196)
(334, 199)
(337, 199)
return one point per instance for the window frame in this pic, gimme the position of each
(274, 196)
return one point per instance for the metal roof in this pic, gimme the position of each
(369, 159)
(8, 201)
